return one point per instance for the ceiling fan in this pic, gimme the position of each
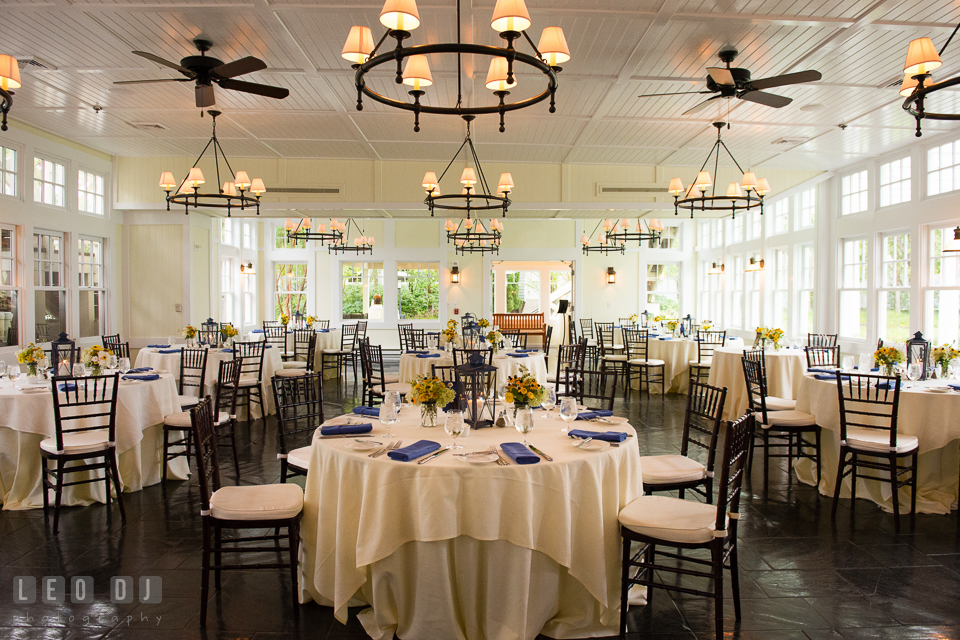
(735, 82)
(206, 71)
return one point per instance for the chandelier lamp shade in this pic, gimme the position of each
(9, 80)
(643, 231)
(952, 245)
(604, 244)
(510, 19)
(305, 229)
(238, 192)
(922, 59)
(359, 244)
(470, 236)
(702, 194)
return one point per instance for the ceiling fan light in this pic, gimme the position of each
(430, 181)
(241, 180)
(9, 73)
(510, 15)
(497, 75)
(676, 187)
(400, 15)
(468, 177)
(553, 46)
(358, 46)
(922, 57)
(703, 180)
(195, 177)
(416, 73)
(763, 187)
(166, 181)
(257, 188)
(909, 84)
(749, 182)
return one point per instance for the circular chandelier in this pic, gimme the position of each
(9, 79)
(604, 245)
(922, 58)
(232, 195)
(304, 230)
(510, 18)
(470, 236)
(739, 195)
(645, 231)
(360, 244)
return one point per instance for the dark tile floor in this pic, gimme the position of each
(802, 575)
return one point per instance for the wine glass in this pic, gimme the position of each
(524, 422)
(388, 417)
(568, 412)
(914, 370)
(171, 340)
(453, 425)
(549, 400)
(847, 363)
(393, 398)
(79, 370)
(112, 362)
(13, 371)
(124, 365)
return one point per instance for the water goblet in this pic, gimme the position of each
(3, 366)
(568, 412)
(914, 370)
(866, 362)
(171, 340)
(388, 417)
(79, 370)
(112, 362)
(124, 365)
(847, 363)
(393, 398)
(524, 422)
(549, 400)
(13, 371)
(453, 425)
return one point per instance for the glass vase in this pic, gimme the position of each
(428, 414)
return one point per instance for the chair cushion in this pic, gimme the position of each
(648, 363)
(300, 458)
(670, 519)
(402, 387)
(391, 379)
(182, 419)
(616, 358)
(789, 419)
(81, 442)
(780, 404)
(257, 502)
(188, 401)
(290, 373)
(334, 352)
(551, 377)
(670, 468)
(295, 365)
(877, 440)
(696, 363)
(249, 380)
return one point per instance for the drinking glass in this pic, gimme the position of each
(866, 362)
(524, 422)
(847, 363)
(453, 425)
(13, 371)
(124, 365)
(388, 417)
(3, 366)
(549, 400)
(171, 340)
(393, 398)
(79, 370)
(914, 371)
(112, 362)
(568, 412)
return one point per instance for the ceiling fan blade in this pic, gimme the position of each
(722, 76)
(205, 96)
(699, 106)
(258, 89)
(781, 81)
(768, 99)
(166, 63)
(676, 93)
(157, 80)
(239, 67)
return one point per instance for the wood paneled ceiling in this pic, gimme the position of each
(621, 48)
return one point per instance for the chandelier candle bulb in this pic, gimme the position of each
(306, 222)
(922, 57)
(553, 46)
(417, 72)
(359, 44)
(400, 15)
(468, 177)
(510, 15)
(733, 191)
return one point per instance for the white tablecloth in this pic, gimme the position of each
(785, 370)
(411, 366)
(929, 416)
(452, 550)
(26, 419)
(676, 353)
(171, 362)
(329, 339)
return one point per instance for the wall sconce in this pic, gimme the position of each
(754, 265)
(716, 269)
(954, 243)
(455, 274)
(611, 276)
(248, 269)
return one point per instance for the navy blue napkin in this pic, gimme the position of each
(590, 415)
(67, 386)
(609, 436)
(226, 350)
(257, 331)
(517, 355)
(142, 376)
(323, 330)
(873, 370)
(269, 346)
(417, 353)
(519, 453)
(345, 429)
(955, 387)
(140, 370)
(416, 450)
(367, 411)
(169, 351)
(666, 338)
(429, 355)
(158, 346)
(884, 385)
(528, 350)
(830, 376)
(816, 370)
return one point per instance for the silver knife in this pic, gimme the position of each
(540, 453)
(431, 457)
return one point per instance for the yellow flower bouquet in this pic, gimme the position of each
(284, 319)
(633, 318)
(189, 332)
(524, 390)
(888, 356)
(310, 320)
(227, 332)
(429, 393)
(32, 356)
(942, 355)
(774, 336)
(96, 357)
(672, 325)
(483, 323)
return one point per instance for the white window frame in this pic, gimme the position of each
(6, 171)
(855, 192)
(780, 217)
(248, 283)
(62, 288)
(226, 232)
(736, 229)
(56, 162)
(937, 172)
(228, 297)
(806, 286)
(14, 284)
(844, 285)
(736, 293)
(754, 224)
(669, 239)
(82, 193)
(948, 280)
(753, 299)
(248, 235)
(439, 267)
(892, 184)
(884, 286)
(806, 203)
(101, 289)
(717, 230)
(277, 291)
(780, 290)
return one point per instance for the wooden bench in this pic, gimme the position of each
(529, 323)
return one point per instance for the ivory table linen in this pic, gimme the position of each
(785, 369)
(411, 366)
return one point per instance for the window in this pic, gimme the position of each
(943, 168)
(663, 289)
(853, 193)
(281, 241)
(226, 290)
(291, 288)
(226, 233)
(90, 193)
(806, 208)
(669, 239)
(706, 235)
(8, 171)
(805, 299)
(716, 227)
(92, 293)
(736, 229)
(754, 224)
(781, 290)
(561, 286)
(49, 180)
(895, 182)
(853, 288)
(523, 291)
(50, 293)
(418, 290)
(362, 290)
(781, 216)
(736, 295)
(942, 295)
(248, 233)
(249, 298)
(893, 308)
(752, 299)
(710, 294)
(9, 325)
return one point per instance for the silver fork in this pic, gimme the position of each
(380, 452)
(500, 460)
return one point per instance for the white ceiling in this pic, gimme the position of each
(621, 48)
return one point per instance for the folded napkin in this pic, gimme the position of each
(609, 436)
(323, 330)
(528, 350)
(345, 429)
(67, 386)
(873, 370)
(816, 370)
(418, 353)
(269, 346)
(169, 351)
(140, 370)
(226, 350)
(142, 376)
(955, 387)
(429, 355)
(666, 338)
(432, 333)
(367, 411)
(519, 453)
(518, 355)
(257, 331)
(590, 415)
(157, 346)
(830, 376)
(884, 385)
(416, 450)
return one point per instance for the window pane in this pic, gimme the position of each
(90, 313)
(893, 311)
(50, 310)
(523, 291)
(291, 286)
(362, 290)
(8, 318)
(853, 314)
(418, 290)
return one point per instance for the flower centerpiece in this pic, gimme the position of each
(495, 338)
(705, 327)
(633, 318)
(672, 325)
(309, 321)
(524, 391)
(450, 335)
(190, 333)
(96, 358)
(774, 336)
(943, 354)
(430, 392)
(228, 332)
(886, 357)
(483, 323)
(32, 356)
(284, 319)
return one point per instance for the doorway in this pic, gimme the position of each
(532, 287)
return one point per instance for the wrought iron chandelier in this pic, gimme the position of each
(232, 195)
(510, 18)
(922, 58)
(644, 231)
(360, 244)
(604, 244)
(739, 196)
(9, 79)
(305, 230)
(470, 236)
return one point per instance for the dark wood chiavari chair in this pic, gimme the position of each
(640, 365)
(299, 403)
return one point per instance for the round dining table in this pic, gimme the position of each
(455, 549)
(168, 359)
(929, 415)
(417, 364)
(28, 418)
(326, 339)
(785, 369)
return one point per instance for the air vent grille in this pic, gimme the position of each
(35, 63)
(621, 189)
(793, 140)
(330, 191)
(148, 126)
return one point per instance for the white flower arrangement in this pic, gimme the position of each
(96, 357)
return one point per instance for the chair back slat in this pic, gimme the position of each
(597, 387)
(112, 343)
(869, 401)
(228, 384)
(702, 419)
(85, 404)
(275, 336)
(708, 342)
(821, 339)
(299, 403)
(822, 356)
(193, 371)
(586, 328)
(348, 337)
(250, 355)
(321, 324)
(637, 343)
(756, 387)
(605, 335)
(736, 444)
(202, 420)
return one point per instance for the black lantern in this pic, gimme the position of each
(479, 384)
(644, 319)
(918, 352)
(686, 325)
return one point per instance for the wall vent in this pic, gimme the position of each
(790, 140)
(626, 189)
(328, 191)
(148, 126)
(33, 62)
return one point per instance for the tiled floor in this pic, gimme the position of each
(802, 576)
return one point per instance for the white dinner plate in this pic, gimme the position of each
(609, 420)
(33, 389)
(938, 389)
(594, 445)
(359, 445)
(485, 458)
